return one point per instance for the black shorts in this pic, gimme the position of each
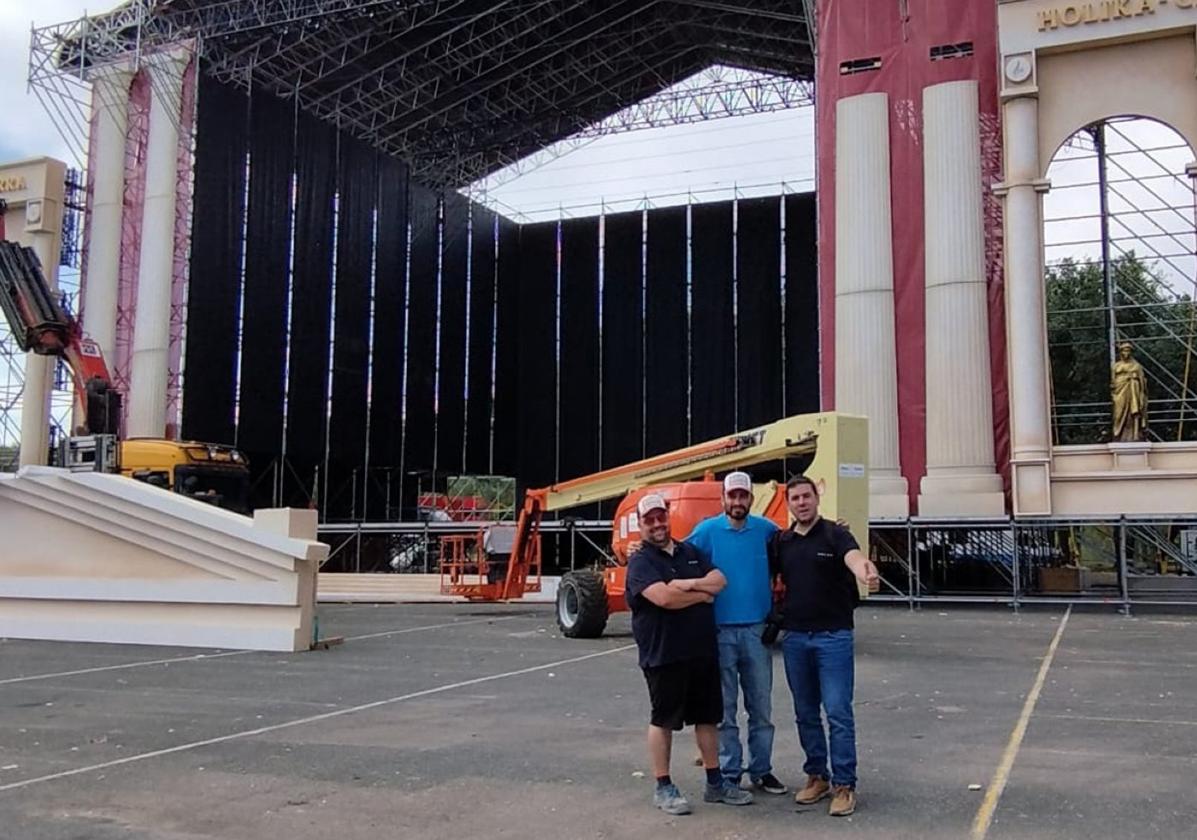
(684, 693)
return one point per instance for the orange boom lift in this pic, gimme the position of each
(492, 565)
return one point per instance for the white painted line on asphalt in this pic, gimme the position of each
(201, 656)
(432, 627)
(997, 784)
(262, 730)
(140, 664)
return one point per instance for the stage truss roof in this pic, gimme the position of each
(462, 88)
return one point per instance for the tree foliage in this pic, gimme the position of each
(1149, 314)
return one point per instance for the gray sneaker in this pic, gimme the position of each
(670, 800)
(726, 793)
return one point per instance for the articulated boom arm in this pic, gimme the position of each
(40, 326)
(789, 438)
(828, 445)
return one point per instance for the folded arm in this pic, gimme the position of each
(711, 583)
(670, 597)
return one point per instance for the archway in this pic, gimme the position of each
(1119, 266)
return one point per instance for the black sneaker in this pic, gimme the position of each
(770, 784)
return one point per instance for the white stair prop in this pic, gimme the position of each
(92, 557)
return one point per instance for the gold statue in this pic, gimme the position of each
(1128, 391)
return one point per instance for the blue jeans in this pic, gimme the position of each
(744, 662)
(820, 668)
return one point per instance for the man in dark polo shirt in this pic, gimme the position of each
(671, 587)
(820, 564)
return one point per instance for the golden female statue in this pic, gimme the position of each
(1128, 391)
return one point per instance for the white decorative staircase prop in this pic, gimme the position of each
(93, 557)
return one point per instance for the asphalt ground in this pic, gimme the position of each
(465, 721)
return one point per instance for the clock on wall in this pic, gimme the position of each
(1018, 68)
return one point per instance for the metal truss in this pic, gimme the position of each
(716, 93)
(458, 88)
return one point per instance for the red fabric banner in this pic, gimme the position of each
(900, 47)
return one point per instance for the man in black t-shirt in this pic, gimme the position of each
(670, 589)
(820, 564)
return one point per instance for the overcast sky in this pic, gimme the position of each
(31, 133)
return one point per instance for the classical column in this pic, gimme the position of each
(961, 479)
(151, 323)
(110, 110)
(866, 377)
(34, 218)
(1026, 319)
(39, 370)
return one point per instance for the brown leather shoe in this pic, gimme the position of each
(843, 801)
(816, 788)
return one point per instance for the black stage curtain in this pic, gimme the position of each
(623, 331)
(578, 442)
(759, 310)
(537, 410)
(357, 186)
(420, 408)
(482, 322)
(666, 365)
(384, 487)
(311, 290)
(507, 344)
(450, 398)
(802, 306)
(712, 359)
(267, 254)
(210, 365)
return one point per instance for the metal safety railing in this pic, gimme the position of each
(1116, 561)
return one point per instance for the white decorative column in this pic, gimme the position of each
(39, 370)
(1026, 319)
(151, 323)
(110, 112)
(961, 478)
(34, 191)
(866, 376)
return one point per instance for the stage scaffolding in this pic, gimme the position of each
(458, 89)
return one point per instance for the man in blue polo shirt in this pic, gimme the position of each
(737, 543)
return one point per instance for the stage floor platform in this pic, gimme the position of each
(467, 721)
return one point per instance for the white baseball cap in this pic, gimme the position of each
(737, 481)
(651, 501)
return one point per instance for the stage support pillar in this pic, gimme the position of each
(110, 113)
(961, 478)
(1026, 320)
(151, 323)
(866, 379)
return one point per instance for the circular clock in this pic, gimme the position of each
(1018, 69)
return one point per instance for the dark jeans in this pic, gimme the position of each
(820, 669)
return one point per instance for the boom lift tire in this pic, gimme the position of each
(582, 604)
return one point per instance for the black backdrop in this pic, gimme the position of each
(390, 335)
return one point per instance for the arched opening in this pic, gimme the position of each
(1120, 267)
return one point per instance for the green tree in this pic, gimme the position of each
(1149, 314)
